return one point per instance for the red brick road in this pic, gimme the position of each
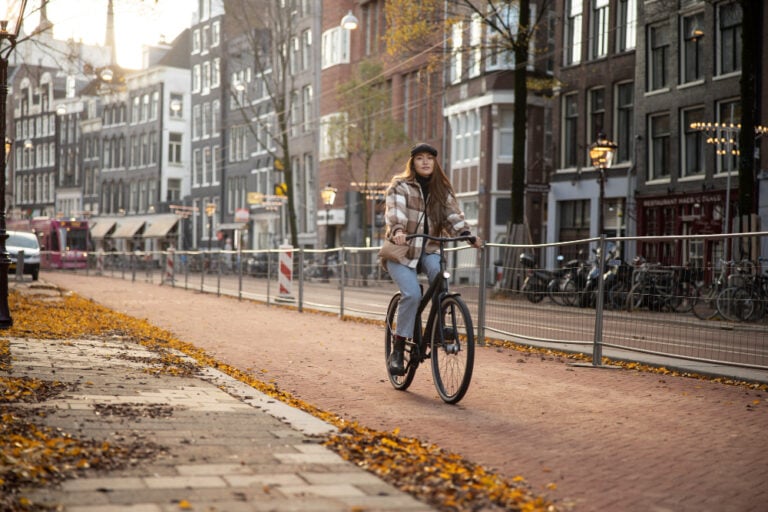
(607, 439)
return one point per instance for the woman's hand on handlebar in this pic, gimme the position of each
(399, 238)
(477, 242)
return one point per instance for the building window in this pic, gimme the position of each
(475, 42)
(570, 131)
(196, 41)
(572, 33)
(658, 58)
(692, 47)
(599, 29)
(457, 42)
(596, 98)
(173, 191)
(693, 143)
(196, 122)
(625, 121)
(174, 148)
(306, 98)
(466, 138)
(206, 120)
(176, 106)
(626, 25)
(215, 33)
(197, 167)
(196, 78)
(306, 49)
(729, 34)
(659, 147)
(294, 59)
(215, 117)
(215, 73)
(333, 136)
(335, 47)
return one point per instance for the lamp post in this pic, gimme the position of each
(10, 23)
(725, 138)
(210, 211)
(329, 196)
(601, 152)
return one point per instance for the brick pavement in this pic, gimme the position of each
(223, 446)
(606, 439)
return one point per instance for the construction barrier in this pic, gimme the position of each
(169, 275)
(285, 277)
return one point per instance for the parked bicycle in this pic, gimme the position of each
(745, 297)
(705, 305)
(448, 338)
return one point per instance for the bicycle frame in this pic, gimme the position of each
(436, 292)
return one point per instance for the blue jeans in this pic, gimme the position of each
(410, 291)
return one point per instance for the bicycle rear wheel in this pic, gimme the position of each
(735, 304)
(705, 306)
(453, 350)
(399, 382)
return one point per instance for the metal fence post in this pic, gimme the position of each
(301, 280)
(597, 349)
(484, 262)
(342, 274)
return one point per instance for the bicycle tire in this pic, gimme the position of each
(533, 290)
(705, 304)
(569, 293)
(453, 350)
(735, 304)
(399, 382)
(635, 296)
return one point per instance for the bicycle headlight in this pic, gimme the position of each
(446, 274)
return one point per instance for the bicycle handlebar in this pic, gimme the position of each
(463, 238)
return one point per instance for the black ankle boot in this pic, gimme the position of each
(395, 363)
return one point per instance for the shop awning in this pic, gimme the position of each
(102, 228)
(159, 226)
(128, 227)
(231, 225)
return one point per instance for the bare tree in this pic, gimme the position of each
(265, 31)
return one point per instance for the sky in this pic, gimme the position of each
(137, 22)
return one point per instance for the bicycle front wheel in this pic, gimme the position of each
(399, 382)
(453, 350)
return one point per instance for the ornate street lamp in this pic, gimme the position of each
(11, 16)
(329, 196)
(602, 152)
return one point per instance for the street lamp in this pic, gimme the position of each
(601, 152)
(329, 196)
(210, 211)
(349, 21)
(10, 23)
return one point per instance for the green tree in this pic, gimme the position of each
(366, 132)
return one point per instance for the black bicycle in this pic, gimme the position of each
(448, 338)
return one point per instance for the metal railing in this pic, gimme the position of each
(584, 304)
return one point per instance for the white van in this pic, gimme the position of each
(27, 242)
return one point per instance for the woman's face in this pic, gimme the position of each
(424, 164)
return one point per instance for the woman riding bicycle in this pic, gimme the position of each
(419, 200)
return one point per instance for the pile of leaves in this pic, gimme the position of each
(439, 478)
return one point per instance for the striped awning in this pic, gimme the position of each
(102, 228)
(127, 227)
(159, 226)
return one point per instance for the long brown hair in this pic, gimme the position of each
(439, 190)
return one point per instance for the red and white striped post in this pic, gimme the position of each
(169, 269)
(285, 277)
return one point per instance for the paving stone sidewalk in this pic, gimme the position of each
(221, 445)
